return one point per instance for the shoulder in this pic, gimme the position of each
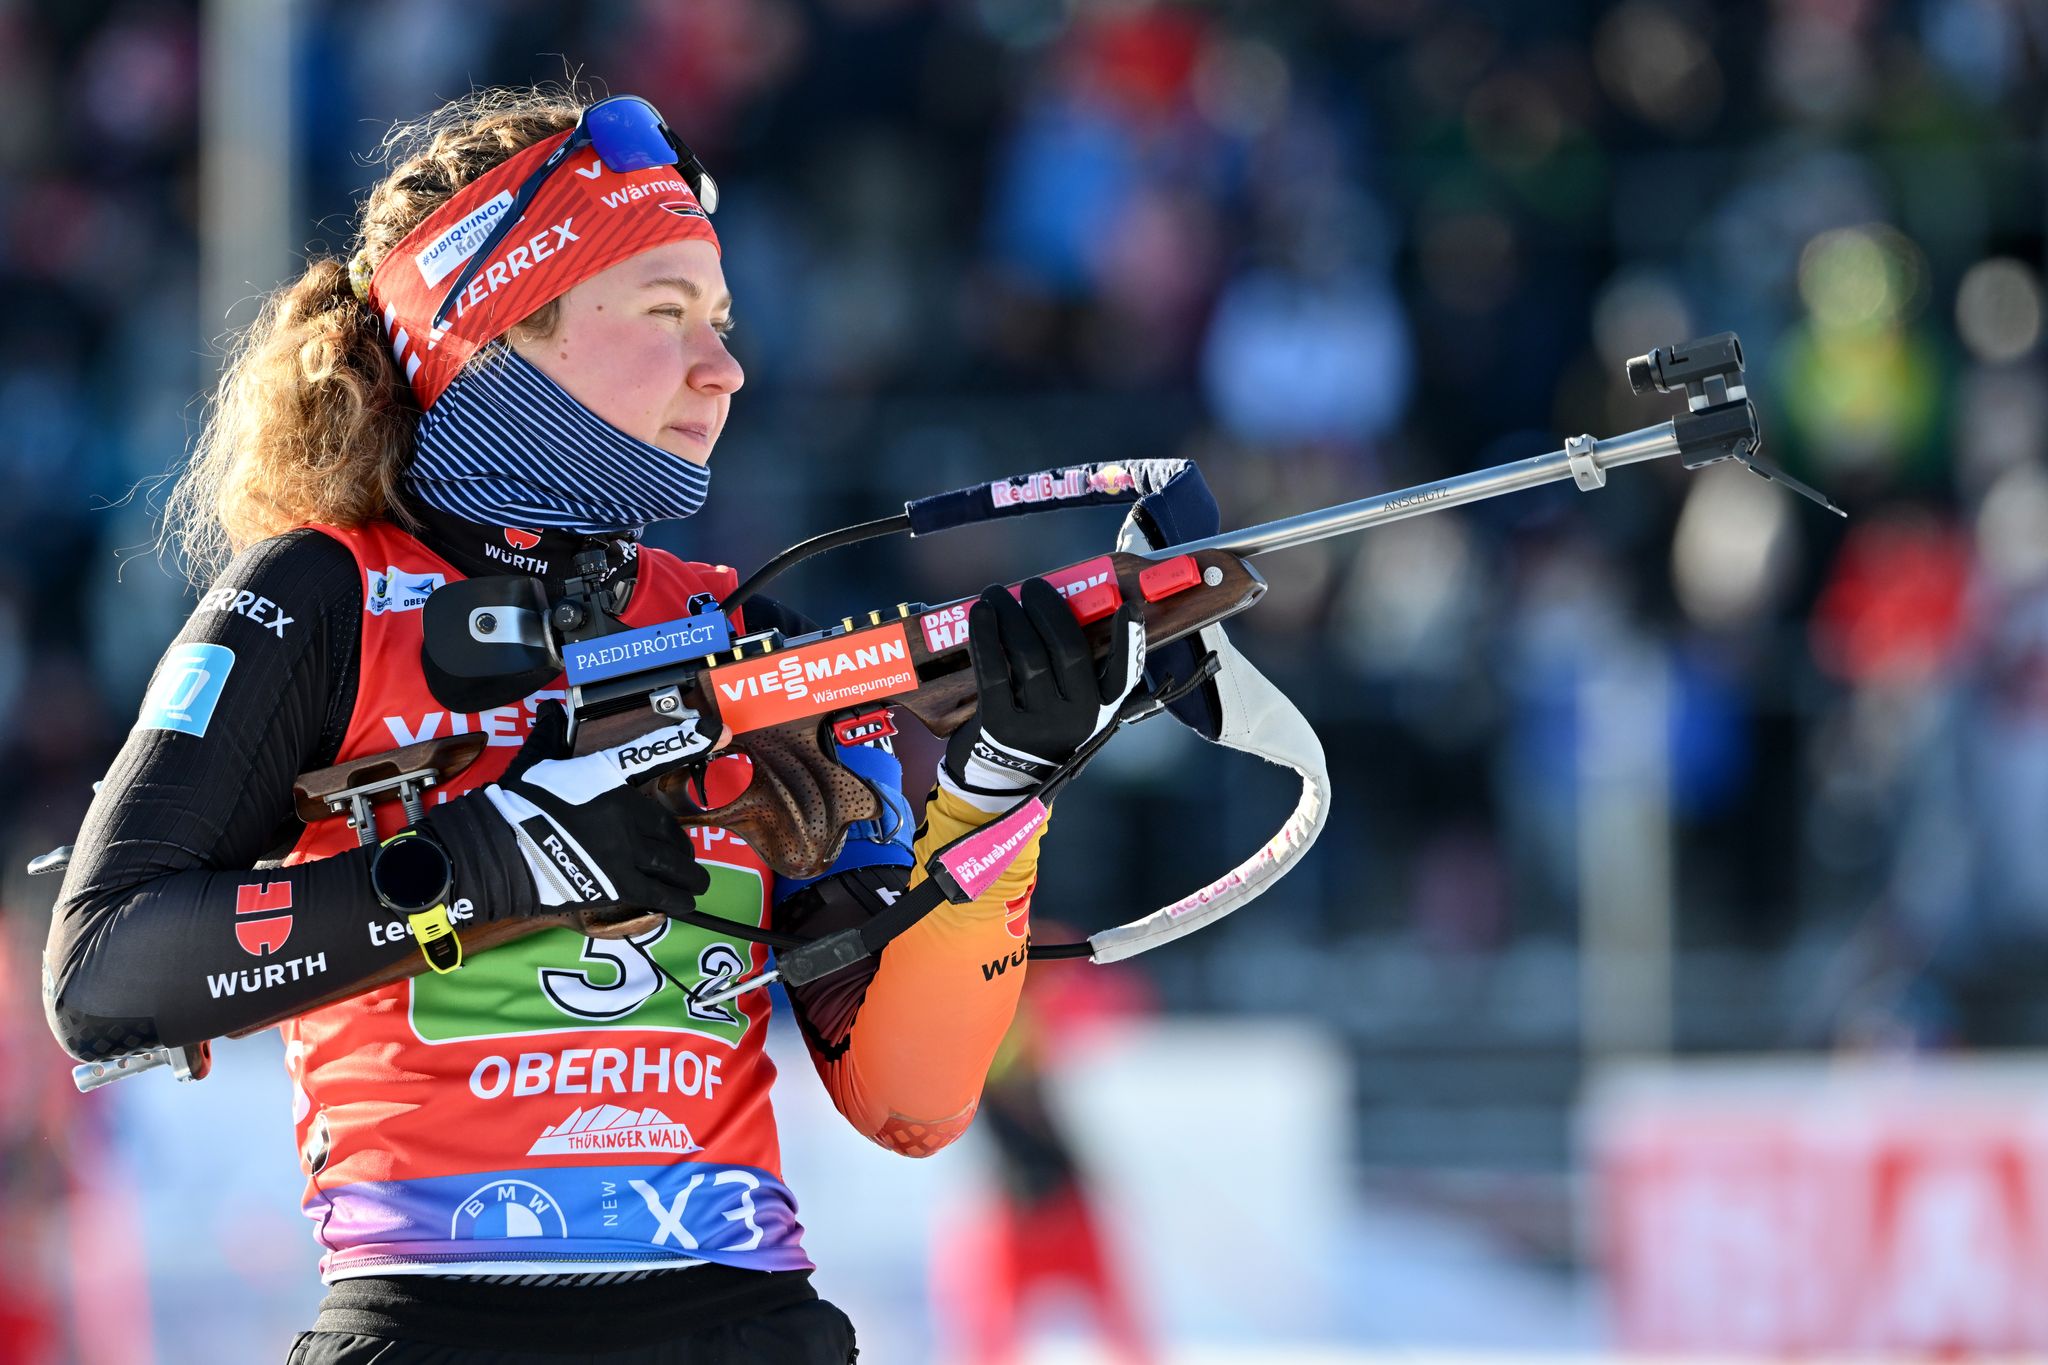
(302, 570)
(283, 611)
(302, 548)
(281, 592)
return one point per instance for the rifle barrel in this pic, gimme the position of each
(1650, 443)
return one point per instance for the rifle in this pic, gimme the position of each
(914, 656)
(791, 702)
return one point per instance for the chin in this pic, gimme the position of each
(683, 448)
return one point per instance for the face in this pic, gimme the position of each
(642, 345)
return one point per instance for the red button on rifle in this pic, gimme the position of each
(1092, 604)
(1164, 580)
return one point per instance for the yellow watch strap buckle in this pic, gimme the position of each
(435, 933)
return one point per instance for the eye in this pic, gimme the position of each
(669, 310)
(723, 326)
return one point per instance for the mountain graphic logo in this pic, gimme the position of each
(608, 1128)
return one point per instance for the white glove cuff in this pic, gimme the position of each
(563, 871)
(581, 780)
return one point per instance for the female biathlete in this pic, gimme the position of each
(553, 1150)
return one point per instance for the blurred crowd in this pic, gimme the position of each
(1327, 250)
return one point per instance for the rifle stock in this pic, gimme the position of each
(318, 794)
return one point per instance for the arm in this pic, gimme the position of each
(904, 1048)
(903, 1042)
(162, 934)
(906, 1068)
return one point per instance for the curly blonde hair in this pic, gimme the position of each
(312, 420)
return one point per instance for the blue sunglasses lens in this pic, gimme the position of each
(628, 134)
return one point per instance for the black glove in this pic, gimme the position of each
(584, 836)
(1042, 695)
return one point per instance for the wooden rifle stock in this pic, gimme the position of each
(319, 794)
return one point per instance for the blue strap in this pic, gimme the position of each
(885, 840)
(1180, 511)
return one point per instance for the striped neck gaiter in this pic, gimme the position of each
(506, 446)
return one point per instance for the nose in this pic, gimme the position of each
(713, 369)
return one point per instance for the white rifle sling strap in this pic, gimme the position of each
(1257, 719)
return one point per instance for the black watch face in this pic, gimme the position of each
(411, 875)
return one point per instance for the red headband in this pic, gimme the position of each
(585, 218)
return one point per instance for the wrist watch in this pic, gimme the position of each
(412, 876)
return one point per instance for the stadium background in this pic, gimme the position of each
(1682, 769)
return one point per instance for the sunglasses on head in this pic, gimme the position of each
(628, 134)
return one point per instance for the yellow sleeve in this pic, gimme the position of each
(910, 1072)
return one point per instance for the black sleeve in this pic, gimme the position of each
(163, 934)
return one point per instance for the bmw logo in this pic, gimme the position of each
(509, 1208)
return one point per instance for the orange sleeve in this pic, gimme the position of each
(910, 1073)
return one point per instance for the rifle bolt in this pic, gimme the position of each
(1213, 576)
(667, 701)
